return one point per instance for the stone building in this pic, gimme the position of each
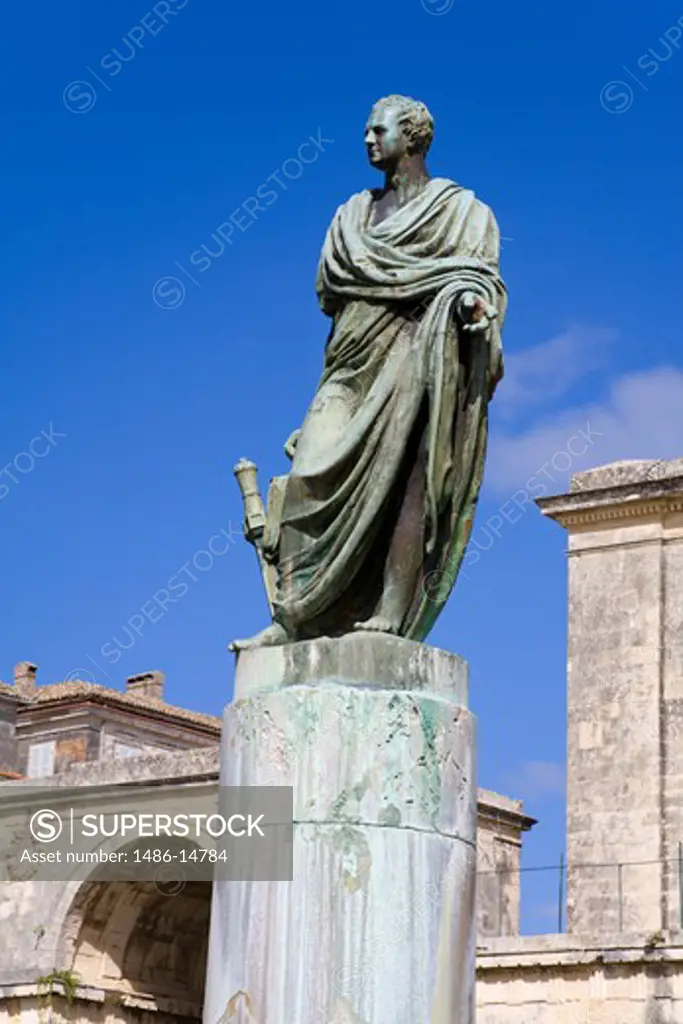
(621, 961)
(49, 728)
(137, 952)
(137, 948)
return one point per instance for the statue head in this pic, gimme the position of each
(398, 126)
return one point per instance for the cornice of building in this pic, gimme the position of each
(619, 491)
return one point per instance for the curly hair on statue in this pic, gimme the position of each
(415, 119)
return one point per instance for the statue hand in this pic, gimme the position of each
(475, 313)
(290, 443)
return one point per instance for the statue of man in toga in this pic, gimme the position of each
(376, 511)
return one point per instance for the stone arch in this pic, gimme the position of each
(144, 943)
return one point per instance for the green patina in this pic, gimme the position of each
(356, 857)
(340, 808)
(398, 724)
(309, 718)
(432, 282)
(429, 712)
(390, 815)
(339, 805)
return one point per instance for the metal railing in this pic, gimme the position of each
(533, 900)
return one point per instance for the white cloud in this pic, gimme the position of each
(545, 911)
(642, 418)
(532, 780)
(543, 372)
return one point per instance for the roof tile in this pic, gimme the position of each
(79, 690)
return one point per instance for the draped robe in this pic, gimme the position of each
(401, 381)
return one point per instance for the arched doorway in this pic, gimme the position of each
(143, 943)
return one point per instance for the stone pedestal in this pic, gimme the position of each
(377, 927)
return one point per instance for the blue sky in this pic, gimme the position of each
(119, 166)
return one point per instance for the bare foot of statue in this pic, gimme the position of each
(271, 636)
(377, 624)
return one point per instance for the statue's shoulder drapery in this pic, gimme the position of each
(397, 350)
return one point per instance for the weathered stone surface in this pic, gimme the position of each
(39, 913)
(44, 925)
(355, 754)
(561, 979)
(8, 732)
(628, 471)
(359, 659)
(378, 923)
(500, 822)
(375, 924)
(625, 696)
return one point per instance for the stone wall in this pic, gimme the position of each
(555, 979)
(536, 980)
(625, 696)
(91, 732)
(76, 739)
(32, 1004)
(122, 943)
(500, 825)
(8, 732)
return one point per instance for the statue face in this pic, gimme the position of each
(384, 138)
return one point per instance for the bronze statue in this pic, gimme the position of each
(368, 529)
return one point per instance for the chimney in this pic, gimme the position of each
(25, 678)
(147, 684)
